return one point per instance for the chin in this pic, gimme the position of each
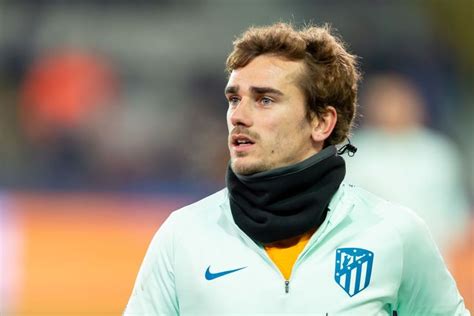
(246, 168)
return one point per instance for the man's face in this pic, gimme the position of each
(267, 122)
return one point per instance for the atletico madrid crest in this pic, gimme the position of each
(353, 269)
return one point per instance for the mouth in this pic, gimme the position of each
(241, 142)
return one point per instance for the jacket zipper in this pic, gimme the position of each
(265, 256)
(298, 260)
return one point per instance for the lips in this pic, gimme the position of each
(241, 142)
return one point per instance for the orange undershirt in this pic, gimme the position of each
(284, 253)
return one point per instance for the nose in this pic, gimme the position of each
(241, 114)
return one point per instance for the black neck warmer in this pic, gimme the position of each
(285, 202)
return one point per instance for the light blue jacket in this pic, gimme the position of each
(369, 257)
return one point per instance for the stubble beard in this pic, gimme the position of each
(248, 168)
(270, 160)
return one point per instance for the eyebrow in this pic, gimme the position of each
(231, 89)
(265, 90)
(254, 90)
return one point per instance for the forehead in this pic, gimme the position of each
(268, 71)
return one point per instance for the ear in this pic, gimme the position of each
(323, 125)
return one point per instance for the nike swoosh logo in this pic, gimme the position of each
(211, 276)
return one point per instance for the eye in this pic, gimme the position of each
(266, 101)
(233, 100)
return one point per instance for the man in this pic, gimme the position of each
(287, 236)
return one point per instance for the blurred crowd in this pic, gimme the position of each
(74, 124)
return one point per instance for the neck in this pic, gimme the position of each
(285, 202)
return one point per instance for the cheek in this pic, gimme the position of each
(272, 125)
(292, 134)
(229, 124)
(277, 136)
(282, 126)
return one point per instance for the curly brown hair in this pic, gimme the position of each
(331, 76)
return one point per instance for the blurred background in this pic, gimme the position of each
(112, 114)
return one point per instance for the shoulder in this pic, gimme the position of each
(200, 214)
(208, 205)
(189, 219)
(394, 217)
